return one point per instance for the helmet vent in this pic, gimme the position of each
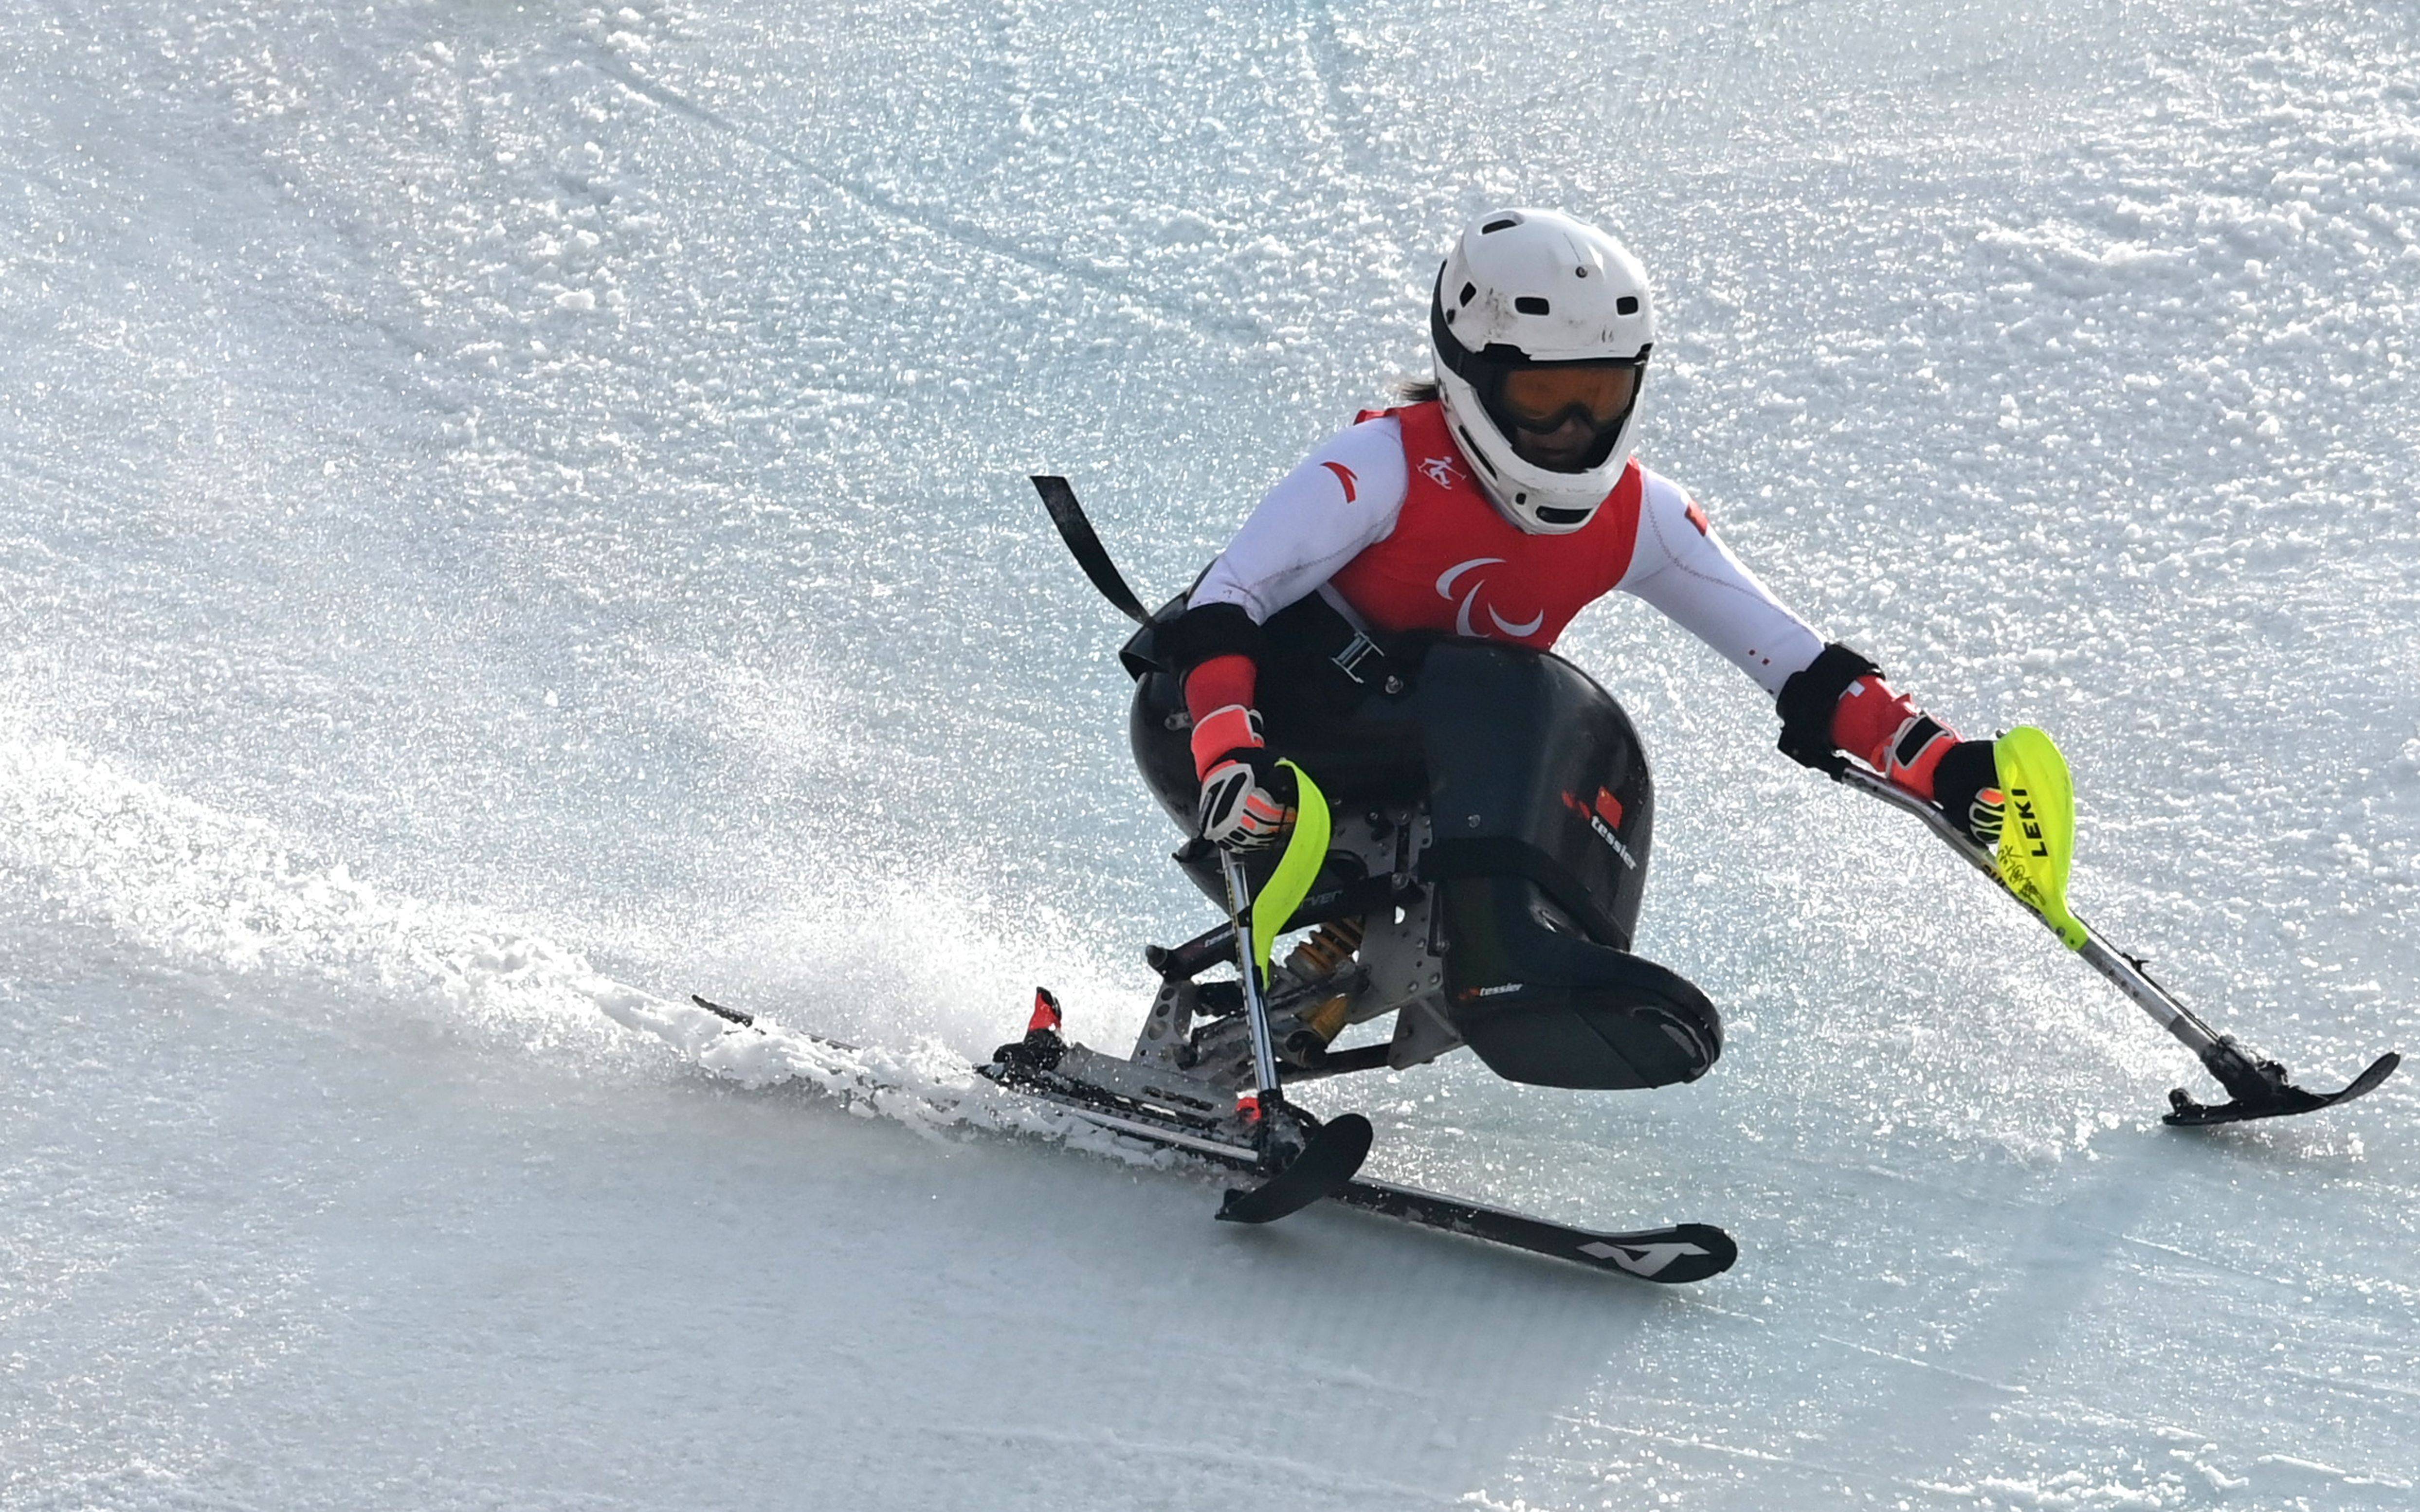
(1469, 291)
(1627, 304)
(1470, 449)
(1505, 225)
(1531, 304)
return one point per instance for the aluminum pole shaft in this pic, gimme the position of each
(2127, 977)
(1256, 1008)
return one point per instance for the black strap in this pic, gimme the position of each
(1312, 636)
(1091, 555)
(1205, 631)
(1921, 732)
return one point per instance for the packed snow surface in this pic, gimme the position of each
(511, 513)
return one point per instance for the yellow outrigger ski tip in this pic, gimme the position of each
(1297, 868)
(2038, 827)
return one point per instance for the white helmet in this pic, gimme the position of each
(1542, 328)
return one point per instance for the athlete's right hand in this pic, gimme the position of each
(1247, 798)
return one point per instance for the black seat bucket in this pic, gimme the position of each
(1543, 812)
(1541, 1004)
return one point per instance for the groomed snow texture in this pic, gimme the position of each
(510, 513)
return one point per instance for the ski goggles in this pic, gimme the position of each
(1531, 402)
(1548, 396)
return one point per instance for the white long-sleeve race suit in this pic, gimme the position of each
(1347, 494)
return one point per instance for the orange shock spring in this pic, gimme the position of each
(1328, 949)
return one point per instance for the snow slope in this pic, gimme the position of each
(511, 512)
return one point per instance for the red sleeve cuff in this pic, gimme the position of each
(1883, 729)
(1220, 682)
(1870, 713)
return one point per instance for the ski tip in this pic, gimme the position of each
(2378, 1070)
(1683, 1253)
(730, 1015)
(1324, 1167)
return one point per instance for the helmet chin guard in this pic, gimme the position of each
(1524, 289)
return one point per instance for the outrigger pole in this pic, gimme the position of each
(1307, 1160)
(2258, 1088)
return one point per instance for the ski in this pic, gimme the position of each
(1667, 1254)
(2275, 1097)
(1671, 1254)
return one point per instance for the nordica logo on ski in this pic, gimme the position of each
(1602, 818)
(1640, 1259)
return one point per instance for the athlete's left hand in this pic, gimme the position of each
(1966, 788)
(1921, 756)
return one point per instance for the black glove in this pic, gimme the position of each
(1967, 787)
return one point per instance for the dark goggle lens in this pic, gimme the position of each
(1542, 399)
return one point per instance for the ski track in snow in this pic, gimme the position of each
(173, 880)
(512, 515)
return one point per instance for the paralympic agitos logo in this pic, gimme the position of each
(1462, 626)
